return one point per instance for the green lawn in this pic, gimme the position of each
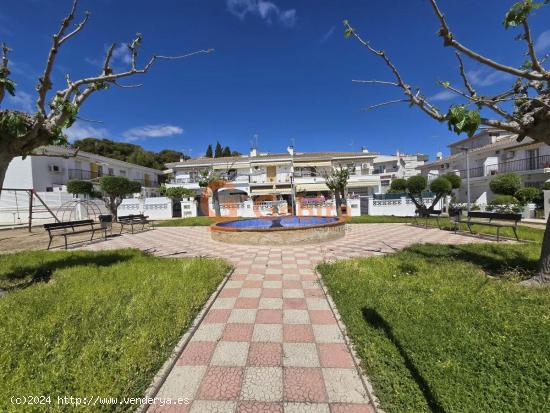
(435, 333)
(524, 232)
(83, 323)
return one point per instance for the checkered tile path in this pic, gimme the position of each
(270, 342)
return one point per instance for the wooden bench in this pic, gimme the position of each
(427, 214)
(131, 220)
(68, 228)
(494, 219)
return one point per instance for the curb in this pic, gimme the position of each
(169, 364)
(375, 403)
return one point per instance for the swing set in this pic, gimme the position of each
(20, 202)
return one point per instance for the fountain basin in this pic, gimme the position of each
(288, 230)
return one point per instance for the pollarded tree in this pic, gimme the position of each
(21, 133)
(529, 96)
(176, 192)
(115, 189)
(337, 182)
(440, 187)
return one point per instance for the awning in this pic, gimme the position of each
(277, 191)
(270, 163)
(311, 187)
(362, 184)
(312, 164)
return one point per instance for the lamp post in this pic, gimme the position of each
(467, 177)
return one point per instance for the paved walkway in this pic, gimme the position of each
(270, 342)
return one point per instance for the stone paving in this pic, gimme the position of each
(270, 342)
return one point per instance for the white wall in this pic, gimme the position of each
(19, 174)
(402, 207)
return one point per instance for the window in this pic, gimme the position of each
(122, 172)
(111, 171)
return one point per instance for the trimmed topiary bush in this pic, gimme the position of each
(454, 179)
(80, 187)
(441, 186)
(505, 184)
(417, 184)
(398, 185)
(504, 200)
(527, 195)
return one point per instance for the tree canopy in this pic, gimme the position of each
(78, 187)
(505, 184)
(129, 152)
(220, 151)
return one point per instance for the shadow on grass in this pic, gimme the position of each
(42, 271)
(493, 259)
(374, 319)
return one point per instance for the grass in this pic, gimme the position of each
(186, 222)
(103, 324)
(524, 232)
(435, 333)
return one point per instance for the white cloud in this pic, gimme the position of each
(121, 57)
(328, 34)
(81, 130)
(151, 131)
(266, 10)
(487, 77)
(442, 96)
(543, 42)
(21, 101)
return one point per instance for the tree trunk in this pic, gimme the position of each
(216, 202)
(338, 201)
(543, 277)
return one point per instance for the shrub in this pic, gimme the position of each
(527, 195)
(505, 184)
(441, 186)
(504, 204)
(80, 187)
(177, 192)
(454, 179)
(417, 184)
(546, 186)
(398, 185)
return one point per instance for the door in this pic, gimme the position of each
(146, 180)
(93, 170)
(364, 205)
(271, 174)
(176, 209)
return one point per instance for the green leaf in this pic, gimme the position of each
(520, 11)
(9, 85)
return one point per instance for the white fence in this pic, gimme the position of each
(402, 207)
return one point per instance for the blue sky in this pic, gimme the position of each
(281, 69)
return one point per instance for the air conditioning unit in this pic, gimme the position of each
(56, 169)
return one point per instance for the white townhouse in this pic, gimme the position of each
(276, 175)
(492, 152)
(390, 167)
(53, 166)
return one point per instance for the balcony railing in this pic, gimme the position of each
(527, 164)
(83, 175)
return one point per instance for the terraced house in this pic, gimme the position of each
(275, 177)
(492, 152)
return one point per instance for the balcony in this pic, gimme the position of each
(519, 165)
(83, 175)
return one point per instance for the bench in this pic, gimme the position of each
(427, 214)
(494, 219)
(68, 228)
(131, 220)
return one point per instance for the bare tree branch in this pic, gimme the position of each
(449, 40)
(78, 28)
(389, 102)
(44, 82)
(379, 82)
(467, 83)
(531, 47)
(414, 98)
(4, 70)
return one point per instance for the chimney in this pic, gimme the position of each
(290, 150)
(253, 152)
(439, 156)
(364, 149)
(181, 159)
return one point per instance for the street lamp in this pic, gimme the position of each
(467, 176)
